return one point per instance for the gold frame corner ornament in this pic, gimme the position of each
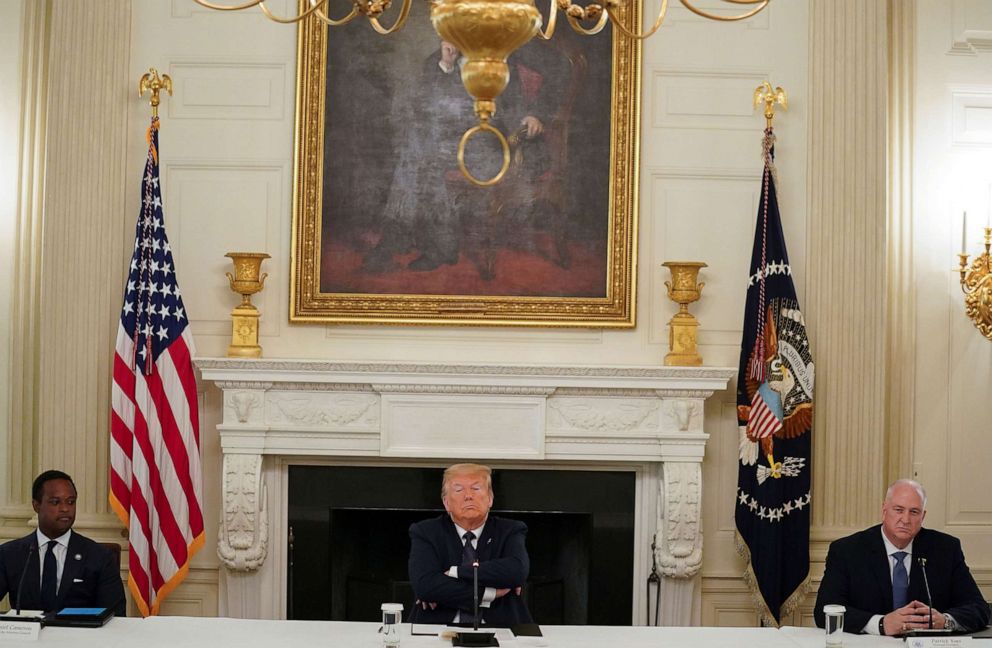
(617, 309)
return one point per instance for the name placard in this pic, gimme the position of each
(19, 630)
(937, 642)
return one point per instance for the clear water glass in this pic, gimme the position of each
(834, 624)
(392, 616)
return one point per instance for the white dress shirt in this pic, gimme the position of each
(61, 549)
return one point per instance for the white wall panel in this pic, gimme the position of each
(703, 216)
(229, 90)
(719, 99)
(953, 146)
(971, 26)
(213, 209)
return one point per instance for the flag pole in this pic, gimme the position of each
(774, 408)
(154, 407)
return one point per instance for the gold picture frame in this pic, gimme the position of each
(577, 250)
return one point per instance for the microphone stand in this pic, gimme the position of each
(926, 584)
(20, 586)
(32, 549)
(475, 597)
(475, 639)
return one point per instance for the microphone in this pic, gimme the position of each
(926, 583)
(475, 593)
(27, 567)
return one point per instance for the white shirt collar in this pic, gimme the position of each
(891, 548)
(477, 531)
(62, 539)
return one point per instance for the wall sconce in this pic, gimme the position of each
(976, 282)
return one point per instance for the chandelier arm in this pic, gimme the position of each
(400, 20)
(210, 5)
(747, 14)
(333, 22)
(657, 23)
(295, 19)
(483, 126)
(546, 34)
(598, 27)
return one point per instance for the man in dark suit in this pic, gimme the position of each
(65, 569)
(443, 549)
(878, 573)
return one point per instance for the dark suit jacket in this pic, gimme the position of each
(90, 577)
(857, 577)
(503, 563)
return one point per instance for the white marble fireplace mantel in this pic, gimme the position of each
(281, 412)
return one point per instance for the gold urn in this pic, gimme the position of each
(247, 280)
(684, 288)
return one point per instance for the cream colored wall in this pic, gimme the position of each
(226, 145)
(953, 365)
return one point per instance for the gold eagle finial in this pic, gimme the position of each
(152, 82)
(764, 94)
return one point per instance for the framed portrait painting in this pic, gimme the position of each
(387, 230)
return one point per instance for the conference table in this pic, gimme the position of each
(197, 632)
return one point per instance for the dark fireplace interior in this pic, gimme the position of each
(351, 543)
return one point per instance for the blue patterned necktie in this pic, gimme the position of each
(900, 581)
(49, 579)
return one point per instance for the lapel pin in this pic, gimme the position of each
(78, 557)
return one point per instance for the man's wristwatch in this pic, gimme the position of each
(881, 626)
(950, 623)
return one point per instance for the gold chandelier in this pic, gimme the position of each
(487, 32)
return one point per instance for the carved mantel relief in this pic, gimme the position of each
(244, 529)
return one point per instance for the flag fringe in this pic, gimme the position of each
(172, 583)
(180, 575)
(118, 508)
(791, 602)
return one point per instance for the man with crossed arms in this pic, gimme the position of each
(443, 549)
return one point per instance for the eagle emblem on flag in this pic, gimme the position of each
(782, 404)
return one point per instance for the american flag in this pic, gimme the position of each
(155, 474)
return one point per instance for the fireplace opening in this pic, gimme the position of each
(351, 544)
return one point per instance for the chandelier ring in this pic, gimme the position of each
(484, 126)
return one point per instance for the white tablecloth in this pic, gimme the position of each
(814, 638)
(196, 632)
(193, 632)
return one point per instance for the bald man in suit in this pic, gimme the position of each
(877, 574)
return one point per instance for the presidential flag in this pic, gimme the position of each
(155, 475)
(774, 414)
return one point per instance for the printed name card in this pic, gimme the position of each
(937, 642)
(18, 630)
